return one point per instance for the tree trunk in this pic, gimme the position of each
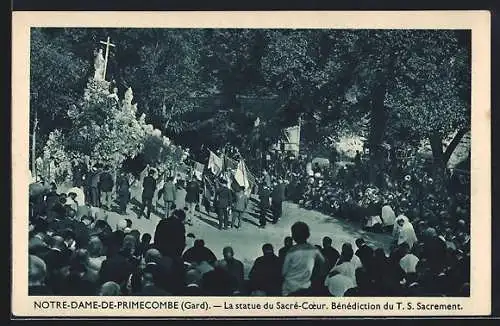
(436, 142)
(453, 144)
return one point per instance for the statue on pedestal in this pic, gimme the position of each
(99, 66)
(127, 100)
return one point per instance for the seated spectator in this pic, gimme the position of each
(233, 267)
(170, 234)
(82, 280)
(199, 253)
(150, 277)
(265, 274)
(110, 289)
(190, 238)
(300, 262)
(218, 282)
(117, 267)
(345, 265)
(193, 283)
(364, 285)
(96, 253)
(364, 253)
(409, 261)
(331, 254)
(143, 245)
(288, 243)
(338, 283)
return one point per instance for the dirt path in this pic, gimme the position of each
(248, 240)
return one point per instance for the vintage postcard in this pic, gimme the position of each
(244, 164)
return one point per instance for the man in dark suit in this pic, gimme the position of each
(148, 191)
(199, 253)
(170, 234)
(117, 267)
(123, 192)
(265, 274)
(234, 268)
(192, 197)
(264, 195)
(223, 200)
(278, 196)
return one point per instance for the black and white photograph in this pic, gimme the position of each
(249, 162)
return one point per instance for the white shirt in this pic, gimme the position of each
(298, 266)
(347, 269)
(338, 284)
(356, 262)
(409, 263)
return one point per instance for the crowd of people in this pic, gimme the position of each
(345, 191)
(85, 255)
(74, 251)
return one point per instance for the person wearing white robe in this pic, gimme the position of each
(80, 196)
(403, 231)
(388, 216)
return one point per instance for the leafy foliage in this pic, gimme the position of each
(385, 85)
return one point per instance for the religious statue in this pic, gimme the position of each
(127, 101)
(114, 95)
(99, 66)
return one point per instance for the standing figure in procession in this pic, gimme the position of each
(264, 205)
(106, 185)
(223, 200)
(123, 192)
(278, 196)
(169, 195)
(192, 198)
(240, 206)
(148, 191)
(94, 188)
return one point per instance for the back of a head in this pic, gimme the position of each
(179, 214)
(198, 243)
(129, 243)
(110, 289)
(267, 249)
(37, 270)
(228, 252)
(95, 247)
(58, 242)
(146, 238)
(347, 251)
(152, 256)
(300, 232)
(327, 242)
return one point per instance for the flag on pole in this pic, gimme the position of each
(215, 163)
(292, 138)
(241, 176)
(198, 170)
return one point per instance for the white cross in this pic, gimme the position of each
(108, 44)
